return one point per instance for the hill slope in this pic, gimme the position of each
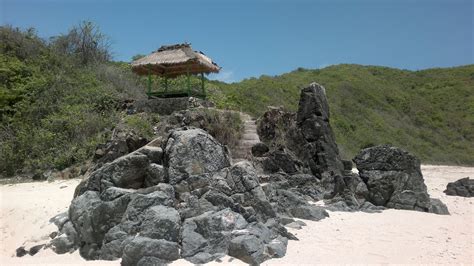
(56, 106)
(55, 109)
(429, 113)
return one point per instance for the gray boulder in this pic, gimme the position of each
(393, 178)
(273, 126)
(193, 152)
(463, 187)
(133, 214)
(21, 251)
(152, 261)
(128, 171)
(257, 243)
(209, 233)
(154, 154)
(92, 218)
(155, 174)
(62, 244)
(113, 193)
(161, 222)
(122, 143)
(141, 247)
(248, 248)
(438, 207)
(309, 212)
(114, 243)
(60, 219)
(259, 149)
(67, 240)
(277, 247)
(242, 178)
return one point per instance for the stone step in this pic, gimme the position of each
(243, 150)
(250, 138)
(254, 140)
(247, 140)
(247, 145)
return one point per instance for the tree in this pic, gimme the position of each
(86, 42)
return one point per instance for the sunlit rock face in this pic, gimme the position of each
(183, 200)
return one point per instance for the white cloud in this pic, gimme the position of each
(226, 76)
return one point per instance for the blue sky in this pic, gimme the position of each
(251, 38)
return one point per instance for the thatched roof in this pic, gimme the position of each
(174, 60)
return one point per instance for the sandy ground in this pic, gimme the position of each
(393, 236)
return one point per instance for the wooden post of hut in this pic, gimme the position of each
(172, 61)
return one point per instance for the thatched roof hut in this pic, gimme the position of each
(173, 60)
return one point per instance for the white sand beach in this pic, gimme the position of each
(393, 236)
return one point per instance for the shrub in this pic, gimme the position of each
(142, 123)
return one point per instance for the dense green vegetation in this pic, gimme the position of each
(429, 113)
(57, 98)
(61, 97)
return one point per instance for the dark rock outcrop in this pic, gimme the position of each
(21, 251)
(156, 205)
(303, 160)
(185, 200)
(259, 149)
(320, 150)
(394, 180)
(463, 187)
(303, 143)
(121, 143)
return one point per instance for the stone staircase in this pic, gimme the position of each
(249, 138)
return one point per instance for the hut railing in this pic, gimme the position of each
(182, 86)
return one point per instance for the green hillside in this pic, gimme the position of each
(61, 97)
(428, 112)
(57, 99)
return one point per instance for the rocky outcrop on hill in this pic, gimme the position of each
(182, 200)
(221, 124)
(180, 196)
(304, 141)
(301, 145)
(463, 187)
(319, 149)
(120, 144)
